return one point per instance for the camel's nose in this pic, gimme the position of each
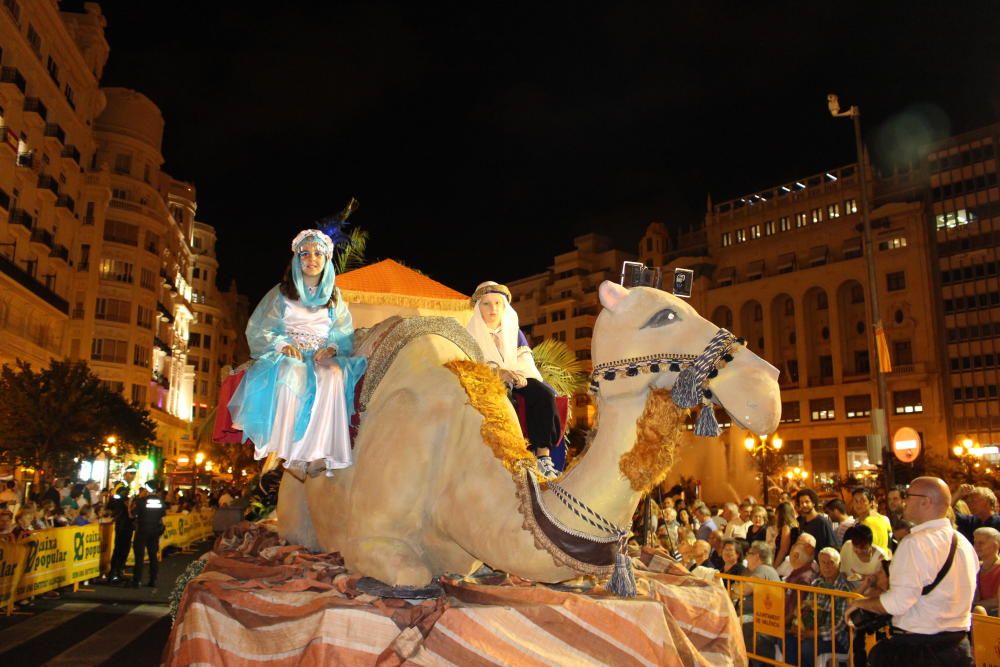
(748, 389)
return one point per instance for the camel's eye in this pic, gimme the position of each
(662, 318)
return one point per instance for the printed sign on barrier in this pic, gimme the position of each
(769, 610)
(11, 568)
(59, 557)
(986, 640)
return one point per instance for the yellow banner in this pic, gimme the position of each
(769, 610)
(11, 569)
(182, 530)
(60, 557)
(986, 640)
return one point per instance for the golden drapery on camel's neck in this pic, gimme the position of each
(658, 434)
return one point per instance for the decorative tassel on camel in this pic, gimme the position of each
(622, 581)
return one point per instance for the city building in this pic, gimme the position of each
(101, 258)
(957, 180)
(562, 303)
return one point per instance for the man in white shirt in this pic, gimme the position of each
(931, 628)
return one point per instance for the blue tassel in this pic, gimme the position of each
(686, 393)
(707, 425)
(622, 581)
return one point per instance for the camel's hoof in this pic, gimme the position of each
(382, 590)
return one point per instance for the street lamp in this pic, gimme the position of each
(761, 452)
(970, 454)
(880, 423)
(199, 458)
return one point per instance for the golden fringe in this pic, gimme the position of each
(658, 435)
(381, 299)
(488, 395)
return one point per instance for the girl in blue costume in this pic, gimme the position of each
(297, 398)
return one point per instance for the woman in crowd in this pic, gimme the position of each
(732, 556)
(494, 325)
(787, 532)
(987, 544)
(757, 532)
(296, 400)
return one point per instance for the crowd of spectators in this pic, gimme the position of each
(842, 544)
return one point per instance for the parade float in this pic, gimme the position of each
(444, 493)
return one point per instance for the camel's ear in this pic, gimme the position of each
(611, 294)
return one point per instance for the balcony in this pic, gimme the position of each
(26, 160)
(28, 281)
(8, 139)
(71, 153)
(48, 184)
(54, 131)
(161, 379)
(160, 343)
(43, 237)
(21, 220)
(35, 105)
(11, 76)
(65, 201)
(60, 252)
(165, 315)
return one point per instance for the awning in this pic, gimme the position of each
(726, 275)
(755, 269)
(786, 261)
(817, 255)
(852, 247)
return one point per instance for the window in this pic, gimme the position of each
(140, 356)
(147, 280)
(209, 319)
(801, 220)
(196, 243)
(196, 272)
(558, 315)
(825, 366)
(769, 228)
(88, 218)
(114, 385)
(583, 355)
(206, 365)
(139, 394)
(902, 352)
(584, 332)
(862, 364)
(208, 340)
(152, 243)
(34, 40)
(194, 340)
(53, 69)
(817, 215)
(113, 310)
(858, 406)
(755, 231)
(120, 193)
(825, 457)
(790, 412)
(850, 206)
(121, 232)
(117, 270)
(144, 317)
(741, 235)
(70, 96)
(907, 402)
(784, 224)
(833, 211)
(84, 263)
(895, 281)
(108, 349)
(821, 301)
(954, 219)
(893, 243)
(821, 409)
(123, 164)
(727, 239)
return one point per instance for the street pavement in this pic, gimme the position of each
(98, 624)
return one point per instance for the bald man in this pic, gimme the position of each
(933, 624)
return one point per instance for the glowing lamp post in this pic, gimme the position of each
(761, 450)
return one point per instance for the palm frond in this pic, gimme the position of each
(352, 253)
(559, 367)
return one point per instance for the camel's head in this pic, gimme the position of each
(646, 324)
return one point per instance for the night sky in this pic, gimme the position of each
(479, 142)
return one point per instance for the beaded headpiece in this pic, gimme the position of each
(489, 287)
(314, 236)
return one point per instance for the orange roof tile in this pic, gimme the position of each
(389, 277)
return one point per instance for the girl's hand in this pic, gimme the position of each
(324, 354)
(291, 351)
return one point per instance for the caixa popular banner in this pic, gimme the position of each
(11, 568)
(59, 557)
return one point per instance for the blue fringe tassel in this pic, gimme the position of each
(686, 393)
(622, 581)
(707, 425)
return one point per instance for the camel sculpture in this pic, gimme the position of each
(428, 496)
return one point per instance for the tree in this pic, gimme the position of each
(50, 417)
(237, 455)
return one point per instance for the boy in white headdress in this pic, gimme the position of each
(296, 400)
(495, 327)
